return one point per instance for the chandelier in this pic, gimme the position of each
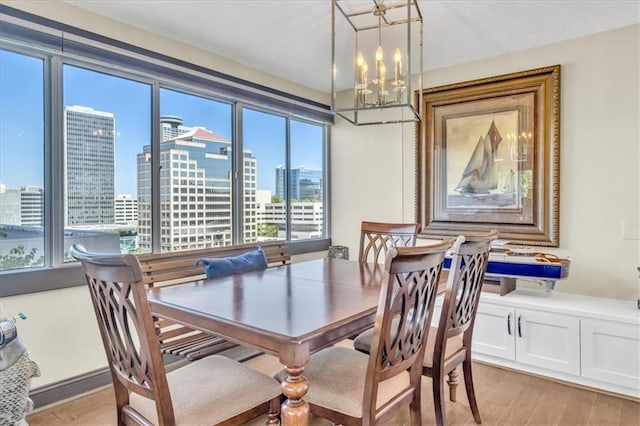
(376, 48)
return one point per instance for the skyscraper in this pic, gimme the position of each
(195, 189)
(89, 137)
(171, 126)
(126, 210)
(21, 206)
(306, 185)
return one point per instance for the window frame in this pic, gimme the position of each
(56, 274)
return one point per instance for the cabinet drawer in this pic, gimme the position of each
(611, 352)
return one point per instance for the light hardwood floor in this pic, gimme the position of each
(504, 397)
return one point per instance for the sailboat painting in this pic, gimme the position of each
(487, 157)
(481, 170)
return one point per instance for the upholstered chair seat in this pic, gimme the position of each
(210, 391)
(336, 379)
(454, 344)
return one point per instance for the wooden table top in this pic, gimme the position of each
(290, 311)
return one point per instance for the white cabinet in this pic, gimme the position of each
(537, 338)
(611, 352)
(548, 340)
(592, 341)
(493, 332)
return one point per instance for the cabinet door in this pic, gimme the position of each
(493, 332)
(547, 340)
(611, 352)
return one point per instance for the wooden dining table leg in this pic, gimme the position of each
(295, 410)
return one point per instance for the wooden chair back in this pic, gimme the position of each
(126, 326)
(180, 267)
(377, 238)
(470, 256)
(402, 324)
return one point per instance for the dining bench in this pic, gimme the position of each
(175, 268)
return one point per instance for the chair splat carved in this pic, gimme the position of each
(179, 267)
(377, 238)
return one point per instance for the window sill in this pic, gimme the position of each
(70, 275)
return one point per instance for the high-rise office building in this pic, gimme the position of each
(126, 210)
(21, 206)
(307, 219)
(89, 137)
(31, 206)
(171, 126)
(306, 185)
(195, 190)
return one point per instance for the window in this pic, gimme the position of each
(197, 131)
(107, 126)
(22, 237)
(140, 153)
(306, 180)
(274, 180)
(265, 151)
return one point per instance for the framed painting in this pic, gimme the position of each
(487, 157)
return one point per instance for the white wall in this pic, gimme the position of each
(373, 166)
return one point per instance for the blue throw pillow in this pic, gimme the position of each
(253, 260)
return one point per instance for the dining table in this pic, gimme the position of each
(290, 311)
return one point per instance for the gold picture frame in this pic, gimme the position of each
(487, 157)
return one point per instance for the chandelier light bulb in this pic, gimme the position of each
(379, 53)
(397, 59)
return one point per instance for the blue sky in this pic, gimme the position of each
(21, 123)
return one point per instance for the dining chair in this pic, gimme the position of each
(213, 390)
(351, 388)
(449, 343)
(376, 238)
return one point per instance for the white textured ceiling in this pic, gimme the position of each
(291, 38)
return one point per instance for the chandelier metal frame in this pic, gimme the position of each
(384, 98)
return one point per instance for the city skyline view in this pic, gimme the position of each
(130, 103)
(89, 150)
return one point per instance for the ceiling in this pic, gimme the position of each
(291, 38)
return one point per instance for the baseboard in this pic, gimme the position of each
(70, 388)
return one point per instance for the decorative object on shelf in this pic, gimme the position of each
(338, 252)
(506, 266)
(377, 67)
(488, 157)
